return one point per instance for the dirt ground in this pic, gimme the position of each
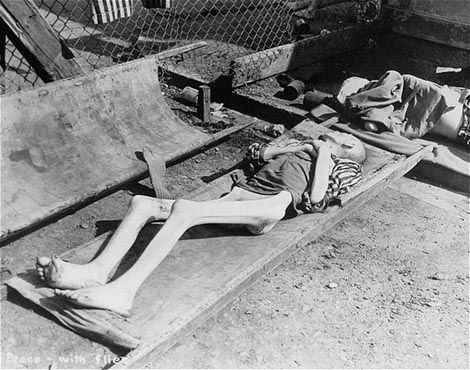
(386, 288)
(401, 301)
(389, 287)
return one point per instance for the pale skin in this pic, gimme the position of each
(447, 126)
(87, 285)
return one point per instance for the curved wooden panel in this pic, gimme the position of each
(73, 139)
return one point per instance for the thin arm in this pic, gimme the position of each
(322, 173)
(274, 151)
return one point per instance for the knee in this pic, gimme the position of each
(264, 224)
(139, 201)
(143, 205)
(273, 213)
(182, 210)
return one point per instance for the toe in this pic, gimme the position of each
(43, 261)
(60, 292)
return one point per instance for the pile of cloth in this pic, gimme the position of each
(405, 105)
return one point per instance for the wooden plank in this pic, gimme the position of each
(189, 285)
(430, 28)
(180, 50)
(74, 140)
(448, 166)
(435, 30)
(457, 11)
(3, 43)
(273, 61)
(38, 42)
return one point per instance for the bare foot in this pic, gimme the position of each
(107, 297)
(65, 275)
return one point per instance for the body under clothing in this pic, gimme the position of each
(404, 104)
(294, 172)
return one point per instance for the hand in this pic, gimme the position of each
(319, 144)
(371, 126)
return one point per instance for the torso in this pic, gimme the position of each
(449, 123)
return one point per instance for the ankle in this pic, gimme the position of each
(101, 269)
(125, 288)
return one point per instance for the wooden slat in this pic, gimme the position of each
(180, 50)
(189, 286)
(37, 41)
(277, 60)
(74, 140)
(431, 27)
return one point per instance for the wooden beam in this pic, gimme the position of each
(37, 41)
(448, 28)
(283, 58)
(435, 30)
(3, 43)
(180, 50)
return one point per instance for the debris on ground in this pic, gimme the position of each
(219, 114)
(437, 276)
(272, 130)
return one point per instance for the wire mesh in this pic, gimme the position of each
(229, 28)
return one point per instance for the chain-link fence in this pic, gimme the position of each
(229, 28)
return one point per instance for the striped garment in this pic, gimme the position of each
(105, 11)
(463, 134)
(344, 175)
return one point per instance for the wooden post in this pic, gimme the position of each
(37, 41)
(204, 103)
(3, 43)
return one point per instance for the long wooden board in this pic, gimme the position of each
(435, 30)
(443, 22)
(37, 41)
(283, 58)
(73, 140)
(190, 284)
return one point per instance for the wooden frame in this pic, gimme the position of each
(103, 118)
(190, 285)
(283, 58)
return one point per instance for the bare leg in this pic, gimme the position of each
(259, 215)
(61, 274)
(65, 275)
